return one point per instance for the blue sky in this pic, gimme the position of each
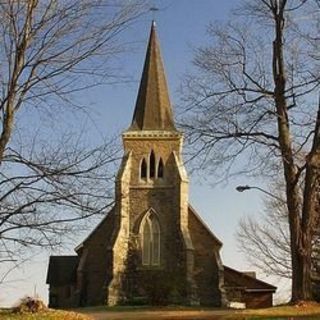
(181, 25)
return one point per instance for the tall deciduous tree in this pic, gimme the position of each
(265, 240)
(253, 98)
(50, 50)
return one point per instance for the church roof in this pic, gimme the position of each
(153, 109)
(192, 211)
(108, 220)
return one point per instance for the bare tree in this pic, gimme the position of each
(47, 194)
(52, 48)
(49, 51)
(252, 108)
(266, 243)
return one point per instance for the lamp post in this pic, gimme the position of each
(246, 187)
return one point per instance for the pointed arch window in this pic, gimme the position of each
(152, 164)
(143, 169)
(150, 244)
(160, 168)
(152, 167)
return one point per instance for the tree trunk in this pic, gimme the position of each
(309, 215)
(8, 121)
(301, 271)
(7, 128)
(300, 229)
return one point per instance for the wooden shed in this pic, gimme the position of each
(244, 287)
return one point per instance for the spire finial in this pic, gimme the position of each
(154, 9)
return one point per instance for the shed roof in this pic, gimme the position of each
(236, 279)
(62, 270)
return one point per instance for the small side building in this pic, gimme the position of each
(244, 287)
(62, 278)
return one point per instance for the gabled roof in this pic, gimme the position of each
(62, 270)
(197, 216)
(107, 219)
(153, 109)
(237, 279)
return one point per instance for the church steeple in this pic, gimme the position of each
(153, 108)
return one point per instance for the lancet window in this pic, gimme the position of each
(160, 168)
(150, 240)
(143, 169)
(152, 168)
(152, 164)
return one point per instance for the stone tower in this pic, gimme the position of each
(152, 251)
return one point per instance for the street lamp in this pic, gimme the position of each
(242, 188)
(246, 187)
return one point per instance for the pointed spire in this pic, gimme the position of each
(153, 109)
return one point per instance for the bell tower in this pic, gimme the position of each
(152, 252)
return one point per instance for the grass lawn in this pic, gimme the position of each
(197, 313)
(309, 309)
(43, 315)
(172, 313)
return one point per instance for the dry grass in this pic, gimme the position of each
(167, 313)
(188, 313)
(43, 315)
(198, 313)
(301, 309)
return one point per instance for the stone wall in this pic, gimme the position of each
(96, 269)
(62, 296)
(206, 271)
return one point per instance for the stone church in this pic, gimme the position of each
(152, 247)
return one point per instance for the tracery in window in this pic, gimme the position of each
(150, 244)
